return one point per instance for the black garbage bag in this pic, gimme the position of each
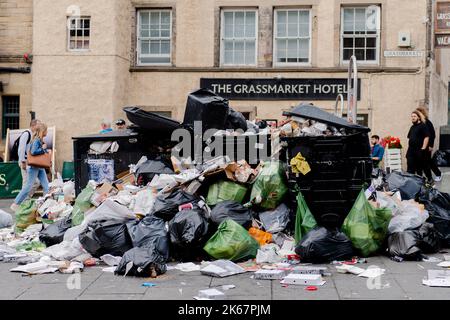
(236, 120)
(440, 218)
(409, 185)
(429, 238)
(442, 158)
(188, 228)
(166, 205)
(433, 195)
(405, 245)
(321, 245)
(103, 237)
(150, 231)
(142, 262)
(147, 171)
(232, 210)
(54, 233)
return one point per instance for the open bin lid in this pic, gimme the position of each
(150, 121)
(315, 113)
(113, 135)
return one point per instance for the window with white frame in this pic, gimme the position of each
(360, 33)
(154, 37)
(292, 36)
(239, 37)
(79, 33)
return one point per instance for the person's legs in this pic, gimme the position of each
(411, 165)
(43, 180)
(32, 174)
(434, 167)
(425, 165)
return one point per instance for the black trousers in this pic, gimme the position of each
(434, 167)
(418, 163)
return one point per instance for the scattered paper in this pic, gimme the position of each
(444, 264)
(187, 267)
(109, 269)
(222, 268)
(111, 260)
(372, 273)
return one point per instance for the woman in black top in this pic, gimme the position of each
(419, 137)
(431, 163)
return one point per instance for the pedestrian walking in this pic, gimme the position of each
(24, 146)
(377, 150)
(419, 138)
(121, 125)
(37, 147)
(431, 163)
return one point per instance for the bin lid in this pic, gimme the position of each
(315, 113)
(113, 135)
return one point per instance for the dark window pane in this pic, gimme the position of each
(348, 42)
(347, 54)
(371, 54)
(359, 53)
(371, 42)
(359, 42)
(79, 33)
(87, 33)
(72, 33)
(87, 23)
(11, 109)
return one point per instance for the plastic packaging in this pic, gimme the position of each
(188, 228)
(54, 233)
(226, 190)
(275, 220)
(321, 245)
(166, 205)
(142, 262)
(82, 204)
(366, 226)
(25, 215)
(262, 237)
(231, 210)
(304, 220)
(409, 185)
(231, 242)
(269, 187)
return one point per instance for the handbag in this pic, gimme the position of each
(43, 161)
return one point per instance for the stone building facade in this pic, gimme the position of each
(91, 58)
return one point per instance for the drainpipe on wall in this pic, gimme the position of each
(429, 50)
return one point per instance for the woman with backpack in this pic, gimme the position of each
(37, 147)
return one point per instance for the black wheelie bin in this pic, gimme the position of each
(341, 166)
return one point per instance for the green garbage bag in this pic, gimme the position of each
(231, 242)
(366, 226)
(82, 204)
(31, 246)
(226, 190)
(25, 215)
(304, 220)
(269, 187)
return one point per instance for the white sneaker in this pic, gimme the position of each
(438, 178)
(14, 207)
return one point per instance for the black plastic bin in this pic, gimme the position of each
(133, 144)
(340, 167)
(205, 106)
(151, 121)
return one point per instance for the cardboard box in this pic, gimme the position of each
(303, 279)
(103, 192)
(269, 274)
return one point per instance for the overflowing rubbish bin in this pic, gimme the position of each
(339, 165)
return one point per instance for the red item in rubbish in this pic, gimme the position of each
(311, 288)
(90, 262)
(186, 206)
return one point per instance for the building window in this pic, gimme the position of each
(79, 33)
(238, 38)
(360, 33)
(10, 111)
(154, 37)
(292, 37)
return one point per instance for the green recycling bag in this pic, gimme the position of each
(25, 215)
(225, 190)
(304, 220)
(82, 204)
(269, 187)
(366, 226)
(231, 242)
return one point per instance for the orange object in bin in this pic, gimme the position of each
(262, 237)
